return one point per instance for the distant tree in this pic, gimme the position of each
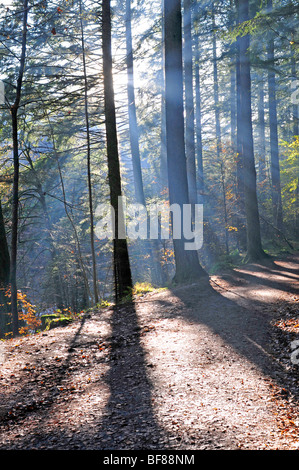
(133, 125)
(88, 142)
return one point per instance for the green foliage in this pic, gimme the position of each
(290, 180)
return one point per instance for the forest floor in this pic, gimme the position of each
(201, 366)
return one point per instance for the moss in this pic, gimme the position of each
(54, 321)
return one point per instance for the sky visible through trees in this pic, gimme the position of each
(167, 104)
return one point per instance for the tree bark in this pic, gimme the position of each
(133, 126)
(261, 132)
(16, 163)
(121, 263)
(274, 162)
(216, 88)
(186, 262)
(295, 106)
(198, 123)
(189, 102)
(90, 197)
(254, 245)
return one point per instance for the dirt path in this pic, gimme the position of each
(204, 366)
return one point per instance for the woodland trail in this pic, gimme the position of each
(202, 366)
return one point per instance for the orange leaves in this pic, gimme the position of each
(27, 313)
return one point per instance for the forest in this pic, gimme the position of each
(149, 193)
(162, 104)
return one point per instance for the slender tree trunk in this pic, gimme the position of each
(233, 85)
(217, 123)
(254, 244)
(15, 195)
(241, 223)
(163, 164)
(121, 263)
(151, 247)
(233, 109)
(186, 261)
(189, 102)
(90, 198)
(295, 106)
(261, 132)
(223, 186)
(4, 274)
(57, 281)
(216, 88)
(274, 164)
(198, 123)
(133, 126)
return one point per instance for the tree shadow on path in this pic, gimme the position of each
(129, 421)
(245, 323)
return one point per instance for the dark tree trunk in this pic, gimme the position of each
(133, 126)
(274, 163)
(189, 102)
(295, 105)
(233, 109)
(261, 132)
(241, 224)
(4, 277)
(186, 262)
(15, 195)
(4, 253)
(90, 196)
(254, 244)
(121, 263)
(163, 165)
(216, 88)
(198, 123)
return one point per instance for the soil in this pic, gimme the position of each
(210, 365)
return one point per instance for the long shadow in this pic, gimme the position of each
(129, 420)
(243, 327)
(253, 278)
(49, 396)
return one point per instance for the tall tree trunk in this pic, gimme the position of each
(233, 103)
(274, 162)
(189, 102)
(186, 262)
(4, 274)
(198, 123)
(295, 106)
(4, 253)
(254, 245)
(121, 263)
(261, 132)
(217, 122)
(163, 164)
(151, 247)
(15, 195)
(216, 88)
(90, 197)
(233, 78)
(133, 126)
